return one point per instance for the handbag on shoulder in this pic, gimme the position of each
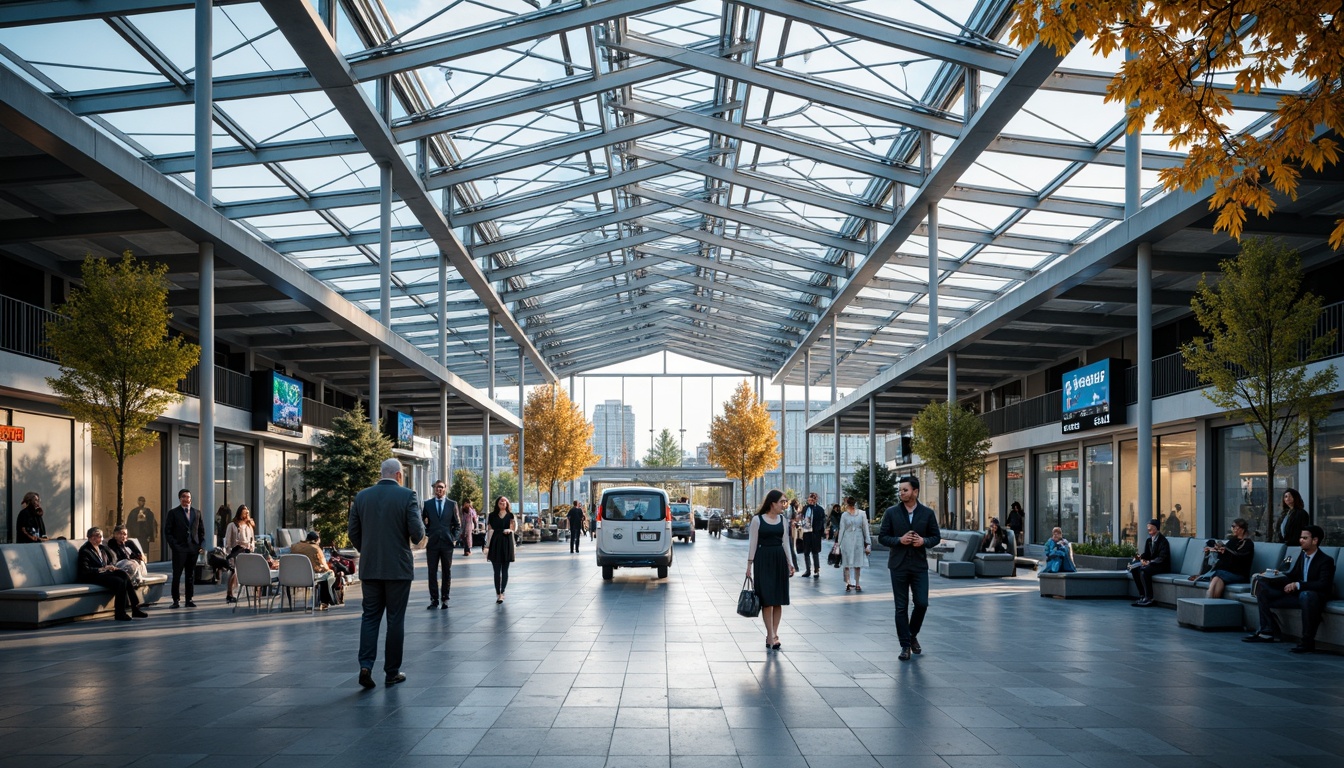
(748, 602)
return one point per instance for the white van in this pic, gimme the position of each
(634, 530)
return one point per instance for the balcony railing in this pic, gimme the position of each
(23, 329)
(231, 387)
(319, 415)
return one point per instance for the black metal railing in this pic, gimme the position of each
(231, 387)
(23, 329)
(319, 415)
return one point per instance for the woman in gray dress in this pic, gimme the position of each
(855, 542)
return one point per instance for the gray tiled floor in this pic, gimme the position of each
(575, 673)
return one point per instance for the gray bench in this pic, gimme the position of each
(1087, 585)
(1208, 613)
(1331, 633)
(39, 586)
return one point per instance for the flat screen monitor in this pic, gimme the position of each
(1093, 396)
(401, 428)
(277, 403)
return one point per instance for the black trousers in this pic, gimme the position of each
(812, 551)
(439, 560)
(906, 582)
(575, 536)
(1143, 577)
(184, 562)
(501, 577)
(119, 584)
(1310, 603)
(383, 596)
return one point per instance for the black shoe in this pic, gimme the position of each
(432, 605)
(914, 646)
(139, 614)
(394, 679)
(230, 599)
(806, 574)
(1303, 648)
(1259, 638)
(123, 617)
(444, 605)
(175, 605)
(817, 575)
(366, 678)
(905, 653)
(190, 604)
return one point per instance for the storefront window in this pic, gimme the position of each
(1058, 497)
(1328, 450)
(991, 493)
(233, 484)
(142, 487)
(1242, 487)
(284, 488)
(7, 534)
(44, 462)
(1176, 483)
(1015, 489)
(1099, 521)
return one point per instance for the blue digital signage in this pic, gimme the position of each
(1093, 396)
(405, 439)
(277, 403)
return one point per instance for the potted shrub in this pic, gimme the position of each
(1099, 553)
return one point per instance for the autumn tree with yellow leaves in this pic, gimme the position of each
(557, 439)
(742, 441)
(1189, 58)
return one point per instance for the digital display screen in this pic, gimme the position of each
(1093, 396)
(405, 439)
(286, 403)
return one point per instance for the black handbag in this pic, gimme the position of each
(748, 602)
(834, 557)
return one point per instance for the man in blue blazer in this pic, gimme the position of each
(908, 530)
(443, 527)
(384, 521)
(1307, 586)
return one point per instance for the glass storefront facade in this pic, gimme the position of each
(43, 462)
(233, 484)
(1328, 473)
(1242, 487)
(1015, 489)
(1058, 495)
(1098, 480)
(142, 489)
(1176, 483)
(284, 488)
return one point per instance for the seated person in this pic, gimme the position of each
(326, 578)
(97, 565)
(1058, 554)
(129, 557)
(1233, 564)
(1156, 558)
(1307, 587)
(996, 539)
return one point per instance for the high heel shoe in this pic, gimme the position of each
(499, 599)
(775, 646)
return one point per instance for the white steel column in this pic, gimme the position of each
(522, 432)
(872, 455)
(953, 494)
(933, 271)
(486, 499)
(1145, 378)
(204, 129)
(374, 405)
(807, 416)
(783, 440)
(445, 465)
(490, 353)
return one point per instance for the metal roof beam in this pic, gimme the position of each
(593, 251)
(729, 268)
(811, 89)
(1052, 204)
(1004, 239)
(308, 35)
(753, 220)
(277, 152)
(583, 277)
(738, 291)
(1080, 152)
(33, 12)
(322, 201)
(364, 237)
(530, 204)
(693, 232)
(776, 140)
(78, 227)
(590, 296)
(569, 228)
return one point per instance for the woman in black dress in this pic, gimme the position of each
(499, 544)
(769, 563)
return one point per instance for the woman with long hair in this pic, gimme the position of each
(499, 528)
(1295, 517)
(769, 562)
(239, 537)
(855, 543)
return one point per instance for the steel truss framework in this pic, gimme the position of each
(737, 182)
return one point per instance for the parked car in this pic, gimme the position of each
(683, 523)
(701, 517)
(634, 530)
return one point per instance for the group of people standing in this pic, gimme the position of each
(908, 530)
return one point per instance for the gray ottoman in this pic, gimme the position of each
(1208, 613)
(956, 569)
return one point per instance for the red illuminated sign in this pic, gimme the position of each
(11, 434)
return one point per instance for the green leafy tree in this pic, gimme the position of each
(953, 443)
(742, 441)
(466, 488)
(1261, 335)
(664, 452)
(348, 460)
(119, 366)
(505, 483)
(886, 481)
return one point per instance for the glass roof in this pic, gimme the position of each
(713, 179)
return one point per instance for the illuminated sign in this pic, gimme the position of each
(400, 429)
(11, 434)
(277, 404)
(1093, 396)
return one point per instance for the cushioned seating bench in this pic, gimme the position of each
(954, 557)
(1331, 633)
(994, 564)
(1265, 556)
(1208, 613)
(1087, 585)
(38, 586)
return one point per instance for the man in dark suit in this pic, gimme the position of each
(811, 549)
(1156, 558)
(576, 518)
(184, 530)
(1307, 586)
(443, 527)
(97, 565)
(384, 521)
(908, 530)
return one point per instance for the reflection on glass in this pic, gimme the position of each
(1327, 509)
(1242, 490)
(1099, 521)
(1058, 495)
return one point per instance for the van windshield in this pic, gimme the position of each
(633, 506)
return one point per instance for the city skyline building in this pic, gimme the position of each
(614, 434)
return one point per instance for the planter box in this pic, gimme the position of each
(1098, 563)
(735, 533)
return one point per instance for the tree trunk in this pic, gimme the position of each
(121, 475)
(1269, 502)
